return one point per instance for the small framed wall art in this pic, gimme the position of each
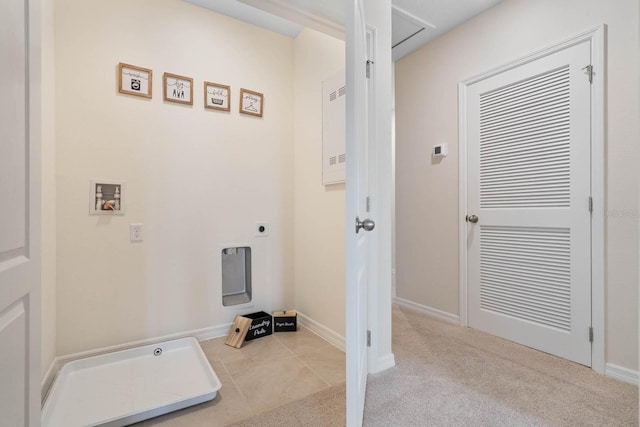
(178, 88)
(134, 80)
(251, 102)
(217, 97)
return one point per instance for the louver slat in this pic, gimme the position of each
(515, 263)
(524, 143)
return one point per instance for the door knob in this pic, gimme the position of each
(367, 224)
(472, 218)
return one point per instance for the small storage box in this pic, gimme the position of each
(285, 321)
(261, 325)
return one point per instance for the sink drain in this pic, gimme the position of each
(157, 351)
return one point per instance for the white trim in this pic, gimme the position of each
(596, 36)
(384, 362)
(322, 331)
(588, 35)
(47, 380)
(429, 311)
(393, 281)
(299, 15)
(57, 363)
(598, 177)
(619, 373)
(462, 203)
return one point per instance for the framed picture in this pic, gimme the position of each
(178, 88)
(251, 102)
(217, 97)
(134, 80)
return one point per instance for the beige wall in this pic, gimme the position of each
(427, 114)
(197, 179)
(48, 220)
(319, 273)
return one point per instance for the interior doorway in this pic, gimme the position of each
(529, 240)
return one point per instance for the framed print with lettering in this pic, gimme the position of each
(134, 80)
(178, 88)
(251, 102)
(217, 96)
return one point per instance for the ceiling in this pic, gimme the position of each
(417, 22)
(414, 22)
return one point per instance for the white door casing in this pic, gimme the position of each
(19, 216)
(369, 168)
(368, 122)
(552, 208)
(378, 20)
(356, 192)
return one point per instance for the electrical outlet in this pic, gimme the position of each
(262, 229)
(135, 232)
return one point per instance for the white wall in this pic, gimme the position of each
(427, 114)
(197, 179)
(319, 273)
(48, 184)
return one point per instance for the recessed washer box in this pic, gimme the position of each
(106, 197)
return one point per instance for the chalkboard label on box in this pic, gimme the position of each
(285, 321)
(261, 325)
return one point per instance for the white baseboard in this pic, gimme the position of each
(393, 283)
(384, 362)
(321, 330)
(429, 311)
(47, 380)
(621, 374)
(58, 362)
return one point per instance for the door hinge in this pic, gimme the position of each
(368, 204)
(369, 63)
(368, 338)
(590, 204)
(588, 70)
(590, 333)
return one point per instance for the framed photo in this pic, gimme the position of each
(134, 80)
(251, 102)
(216, 96)
(178, 88)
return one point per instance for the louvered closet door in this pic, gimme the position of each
(528, 170)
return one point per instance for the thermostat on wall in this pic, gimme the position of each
(439, 150)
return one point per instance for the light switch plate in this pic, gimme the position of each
(135, 232)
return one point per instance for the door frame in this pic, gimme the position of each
(597, 37)
(380, 353)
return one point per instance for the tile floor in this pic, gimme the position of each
(264, 374)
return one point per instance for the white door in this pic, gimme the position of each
(19, 221)
(529, 238)
(357, 190)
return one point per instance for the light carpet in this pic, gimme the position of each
(446, 375)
